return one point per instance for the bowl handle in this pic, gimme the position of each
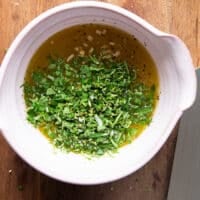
(185, 70)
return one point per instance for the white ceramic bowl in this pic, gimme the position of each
(177, 85)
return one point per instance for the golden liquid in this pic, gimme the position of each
(65, 43)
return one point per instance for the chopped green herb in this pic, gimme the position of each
(5, 50)
(20, 187)
(91, 105)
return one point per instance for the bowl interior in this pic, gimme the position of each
(29, 142)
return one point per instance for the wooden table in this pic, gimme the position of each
(20, 182)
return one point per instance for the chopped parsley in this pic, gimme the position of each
(90, 105)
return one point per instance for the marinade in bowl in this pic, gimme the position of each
(91, 89)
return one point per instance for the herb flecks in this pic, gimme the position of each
(88, 105)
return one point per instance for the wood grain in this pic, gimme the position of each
(185, 23)
(149, 183)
